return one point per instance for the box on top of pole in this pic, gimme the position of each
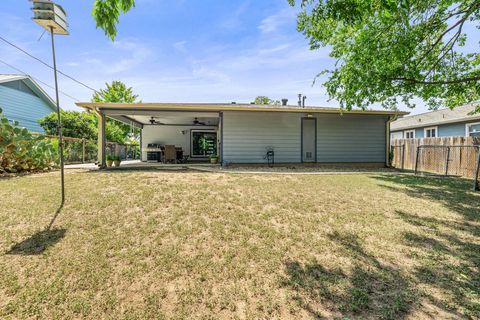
(53, 18)
(50, 15)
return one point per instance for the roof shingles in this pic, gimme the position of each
(444, 116)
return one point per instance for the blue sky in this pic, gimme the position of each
(176, 51)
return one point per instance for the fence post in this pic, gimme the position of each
(476, 186)
(403, 156)
(83, 150)
(448, 159)
(416, 160)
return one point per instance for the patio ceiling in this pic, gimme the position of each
(173, 118)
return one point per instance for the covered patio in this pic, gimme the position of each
(194, 135)
(179, 133)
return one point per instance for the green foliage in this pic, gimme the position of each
(21, 151)
(204, 144)
(83, 125)
(75, 124)
(116, 131)
(112, 157)
(106, 14)
(117, 91)
(391, 51)
(266, 100)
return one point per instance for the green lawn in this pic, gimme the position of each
(151, 244)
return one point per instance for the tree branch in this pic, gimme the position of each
(416, 81)
(448, 46)
(459, 24)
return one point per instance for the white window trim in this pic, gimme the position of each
(430, 128)
(407, 131)
(467, 128)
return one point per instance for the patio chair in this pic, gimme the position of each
(170, 154)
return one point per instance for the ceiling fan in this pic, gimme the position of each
(198, 123)
(153, 121)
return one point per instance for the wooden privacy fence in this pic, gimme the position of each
(455, 156)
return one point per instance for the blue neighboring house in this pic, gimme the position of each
(23, 100)
(459, 122)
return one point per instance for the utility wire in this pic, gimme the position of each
(38, 80)
(46, 64)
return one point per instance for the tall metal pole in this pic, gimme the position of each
(59, 121)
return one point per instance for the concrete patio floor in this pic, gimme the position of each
(138, 165)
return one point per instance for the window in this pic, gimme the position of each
(473, 129)
(204, 143)
(396, 135)
(410, 134)
(431, 132)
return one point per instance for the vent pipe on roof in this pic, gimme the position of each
(303, 101)
(299, 99)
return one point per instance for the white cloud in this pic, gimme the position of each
(72, 64)
(274, 49)
(233, 20)
(119, 57)
(273, 22)
(135, 53)
(210, 74)
(180, 46)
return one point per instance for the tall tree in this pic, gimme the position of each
(266, 100)
(117, 91)
(388, 51)
(107, 12)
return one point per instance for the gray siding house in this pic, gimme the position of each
(243, 133)
(441, 123)
(23, 100)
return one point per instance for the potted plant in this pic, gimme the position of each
(213, 159)
(117, 161)
(110, 159)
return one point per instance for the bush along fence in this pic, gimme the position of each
(22, 151)
(77, 150)
(447, 156)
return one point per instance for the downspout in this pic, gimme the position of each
(387, 138)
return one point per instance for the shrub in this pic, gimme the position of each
(22, 151)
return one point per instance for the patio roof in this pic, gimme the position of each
(218, 107)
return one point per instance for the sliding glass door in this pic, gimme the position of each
(203, 143)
